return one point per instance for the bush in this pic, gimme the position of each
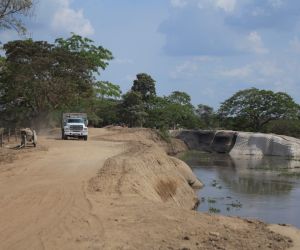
(284, 127)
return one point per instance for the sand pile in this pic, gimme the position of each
(146, 170)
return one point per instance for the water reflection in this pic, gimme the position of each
(249, 174)
(264, 188)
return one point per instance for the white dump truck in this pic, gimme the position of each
(74, 125)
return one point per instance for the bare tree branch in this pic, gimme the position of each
(11, 11)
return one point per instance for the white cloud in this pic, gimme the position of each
(226, 5)
(178, 3)
(260, 70)
(187, 69)
(241, 72)
(69, 20)
(275, 3)
(191, 67)
(254, 43)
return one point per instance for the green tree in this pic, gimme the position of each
(145, 85)
(105, 89)
(39, 78)
(133, 109)
(158, 117)
(96, 57)
(9, 12)
(254, 108)
(179, 111)
(207, 115)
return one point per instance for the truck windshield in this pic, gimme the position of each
(77, 120)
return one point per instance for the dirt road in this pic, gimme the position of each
(43, 197)
(71, 197)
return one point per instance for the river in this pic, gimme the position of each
(264, 188)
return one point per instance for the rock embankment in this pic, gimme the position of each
(241, 143)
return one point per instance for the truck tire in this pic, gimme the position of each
(85, 138)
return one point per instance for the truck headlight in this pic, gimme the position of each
(85, 129)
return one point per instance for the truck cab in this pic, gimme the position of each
(74, 125)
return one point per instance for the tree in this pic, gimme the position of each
(255, 108)
(39, 78)
(133, 109)
(178, 97)
(179, 111)
(283, 127)
(107, 89)
(145, 85)
(9, 11)
(96, 57)
(207, 115)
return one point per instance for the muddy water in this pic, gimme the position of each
(267, 189)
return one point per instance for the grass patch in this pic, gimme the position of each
(236, 204)
(211, 200)
(214, 210)
(164, 134)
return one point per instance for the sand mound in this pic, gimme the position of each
(146, 170)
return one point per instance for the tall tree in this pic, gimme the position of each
(9, 12)
(256, 107)
(96, 57)
(133, 109)
(179, 111)
(39, 77)
(145, 85)
(105, 89)
(206, 114)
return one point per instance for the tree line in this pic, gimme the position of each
(41, 80)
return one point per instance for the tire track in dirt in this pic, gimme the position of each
(43, 197)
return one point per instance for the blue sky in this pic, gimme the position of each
(207, 48)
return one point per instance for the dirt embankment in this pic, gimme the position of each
(153, 193)
(145, 170)
(119, 190)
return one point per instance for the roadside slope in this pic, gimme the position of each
(117, 191)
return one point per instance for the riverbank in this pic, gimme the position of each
(119, 190)
(168, 218)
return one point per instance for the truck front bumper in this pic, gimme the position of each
(75, 134)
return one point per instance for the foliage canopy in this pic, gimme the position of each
(255, 108)
(38, 77)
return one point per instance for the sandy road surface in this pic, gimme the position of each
(43, 201)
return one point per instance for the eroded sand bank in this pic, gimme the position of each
(119, 190)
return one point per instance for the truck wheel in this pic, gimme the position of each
(85, 138)
(65, 137)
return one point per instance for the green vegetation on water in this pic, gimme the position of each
(214, 210)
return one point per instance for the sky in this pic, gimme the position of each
(209, 49)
